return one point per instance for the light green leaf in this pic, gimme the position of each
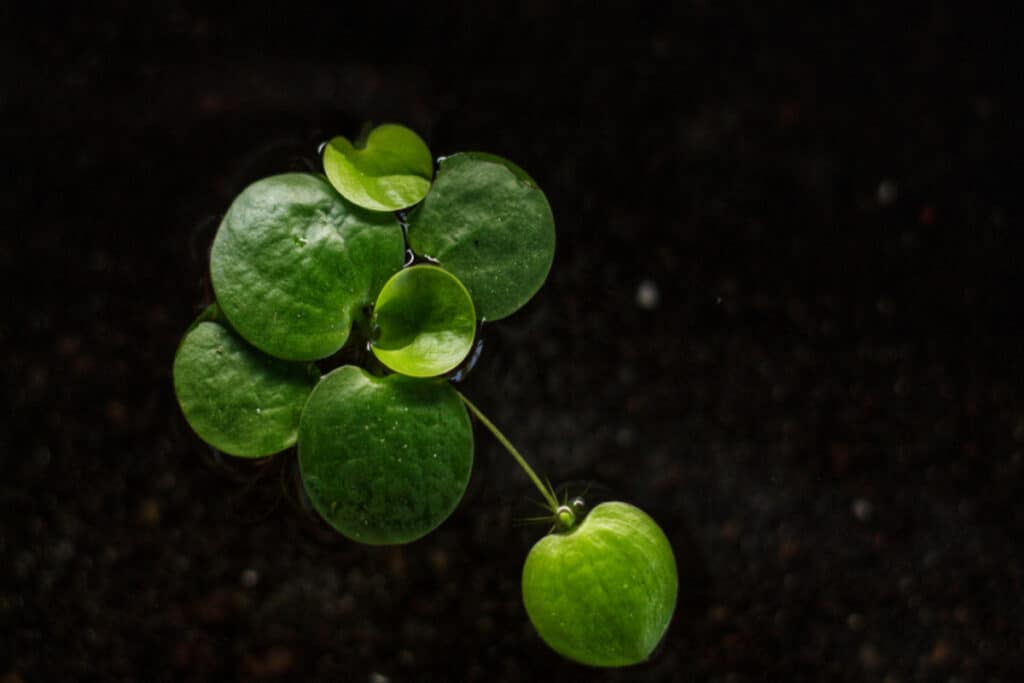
(424, 322)
(236, 398)
(488, 223)
(602, 593)
(391, 171)
(294, 264)
(384, 460)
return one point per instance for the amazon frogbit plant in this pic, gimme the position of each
(307, 266)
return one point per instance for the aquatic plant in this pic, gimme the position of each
(307, 267)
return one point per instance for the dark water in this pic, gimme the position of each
(784, 318)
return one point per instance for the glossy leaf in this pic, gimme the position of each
(236, 398)
(489, 224)
(391, 171)
(424, 322)
(517, 171)
(294, 264)
(602, 593)
(384, 459)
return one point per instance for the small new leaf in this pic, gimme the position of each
(425, 322)
(391, 171)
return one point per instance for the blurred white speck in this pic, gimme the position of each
(855, 622)
(249, 578)
(379, 678)
(647, 295)
(887, 192)
(861, 509)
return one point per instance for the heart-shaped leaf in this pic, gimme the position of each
(391, 171)
(488, 223)
(294, 264)
(384, 459)
(603, 592)
(424, 322)
(236, 398)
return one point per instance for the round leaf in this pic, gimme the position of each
(384, 459)
(603, 592)
(236, 398)
(424, 322)
(489, 224)
(391, 171)
(293, 264)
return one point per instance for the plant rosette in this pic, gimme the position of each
(306, 266)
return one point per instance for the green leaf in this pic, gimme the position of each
(603, 592)
(391, 171)
(517, 171)
(488, 223)
(424, 322)
(294, 264)
(236, 398)
(384, 459)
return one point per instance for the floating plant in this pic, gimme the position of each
(304, 266)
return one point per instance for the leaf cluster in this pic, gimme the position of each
(305, 266)
(309, 266)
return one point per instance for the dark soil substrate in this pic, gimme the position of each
(784, 318)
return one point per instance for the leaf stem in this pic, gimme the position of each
(545, 491)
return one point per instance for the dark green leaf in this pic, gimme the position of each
(494, 158)
(424, 321)
(489, 225)
(293, 264)
(236, 398)
(384, 459)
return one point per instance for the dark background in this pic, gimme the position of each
(823, 405)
